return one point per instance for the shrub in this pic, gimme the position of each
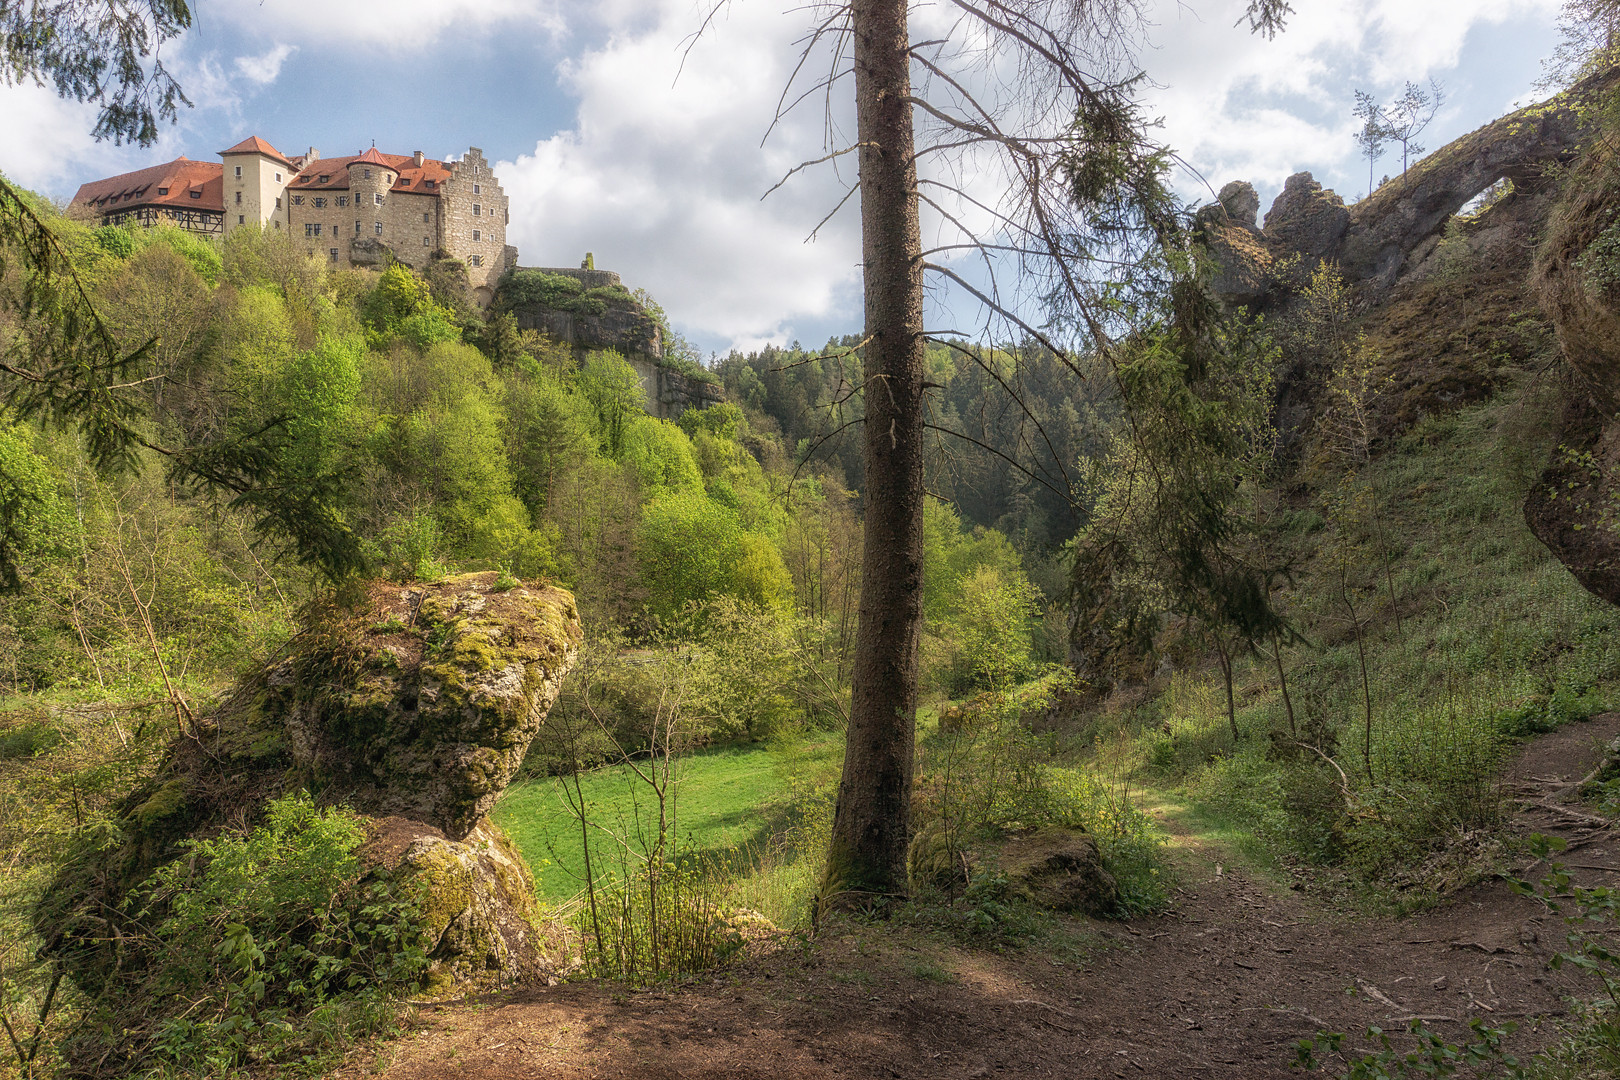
(270, 945)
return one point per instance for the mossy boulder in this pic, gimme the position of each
(937, 860)
(1060, 869)
(411, 704)
(480, 924)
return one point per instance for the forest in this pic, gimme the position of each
(1218, 677)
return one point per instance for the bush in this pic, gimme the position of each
(269, 946)
(665, 922)
(988, 775)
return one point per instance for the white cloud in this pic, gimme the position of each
(1240, 106)
(47, 140)
(266, 67)
(662, 179)
(404, 26)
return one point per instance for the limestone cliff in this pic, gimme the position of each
(591, 310)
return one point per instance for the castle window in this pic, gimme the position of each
(424, 241)
(343, 200)
(477, 236)
(427, 217)
(317, 228)
(238, 198)
(278, 178)
(379, 228)
(278, 224)
(333, 253)
(378, 197)
(320, 203)
(278, 202)
(357, 228)
(475, 189)
(366, 173)
(476, 260)
(309, 230)
(298, 200)
(239, 172)
(478, 211)
(241, 219)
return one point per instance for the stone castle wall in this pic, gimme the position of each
(475, 216)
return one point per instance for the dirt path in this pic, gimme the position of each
(1222, 987)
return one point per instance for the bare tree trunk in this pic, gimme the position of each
(1282, 677)
(871, 826)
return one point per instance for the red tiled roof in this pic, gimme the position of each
(255, 145)
(168, 184)
(408, 177)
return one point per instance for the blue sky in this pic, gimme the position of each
(602, 148)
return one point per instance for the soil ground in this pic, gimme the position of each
(1222, 986)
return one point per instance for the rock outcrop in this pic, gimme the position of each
(620, 324)
(1390, 233)
(414, 707)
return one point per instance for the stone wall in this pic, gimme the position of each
(410, 225)
(475, 214)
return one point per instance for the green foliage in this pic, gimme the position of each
(1599, 264)
(613, 389)
(1434, 1056)
(694, 549)
(985, 773)
(34, 523)
(270, 939)
(661, 456)
(401, 304)
(536, 288)
(670, 921)
(116, 240)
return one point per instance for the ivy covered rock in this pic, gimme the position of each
(412, 705)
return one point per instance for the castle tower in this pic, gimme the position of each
(256, 179)
(371, 181)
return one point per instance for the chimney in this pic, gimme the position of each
(313, 155)
(417, 154)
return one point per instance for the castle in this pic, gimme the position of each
(358, 210)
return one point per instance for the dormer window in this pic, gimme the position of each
(196, 194)
(323, 179)
(427, 183)
(163, 191)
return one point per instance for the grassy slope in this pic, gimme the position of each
(725, 800)
(1495, 640)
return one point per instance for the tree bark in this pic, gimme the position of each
(871, 826)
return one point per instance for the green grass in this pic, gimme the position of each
(726, 799)
(1496, 642)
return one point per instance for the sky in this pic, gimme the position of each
(617, 132)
